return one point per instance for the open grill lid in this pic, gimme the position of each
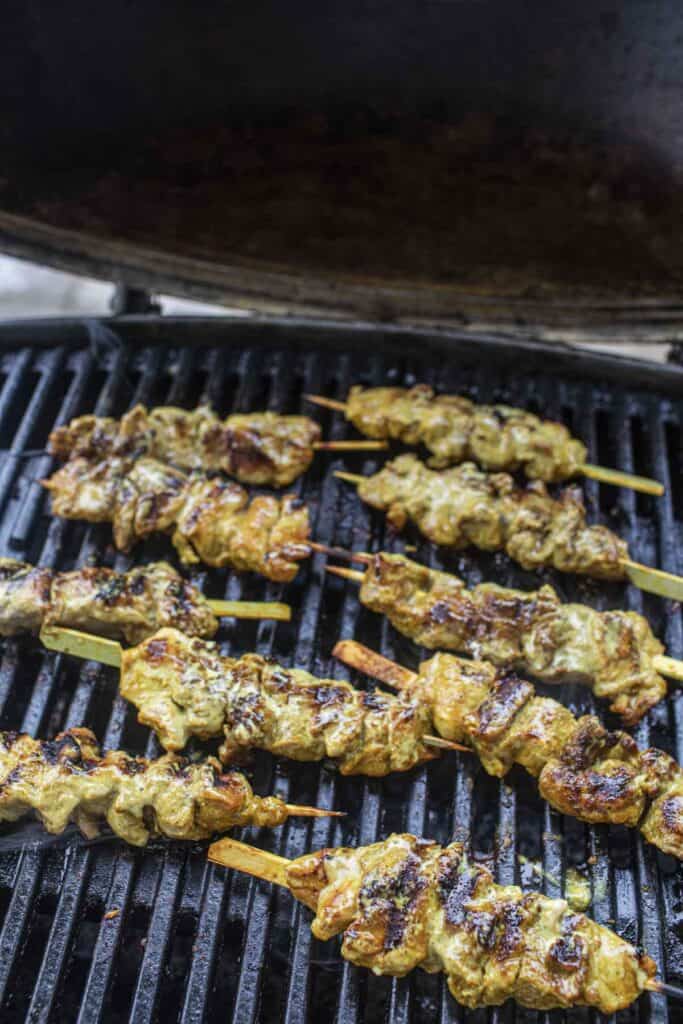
(473, 163)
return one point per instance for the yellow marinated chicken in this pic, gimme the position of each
(210, 519)
(123, 605)
(465, 506)
(183, 687)
(407, 902)
(612, 652)
(256, 448)
(455, 430)
(68, 780)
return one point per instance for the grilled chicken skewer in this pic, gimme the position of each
(127, 605)
(496, 437)
(406, 902)
(68, 779)
(255, 448)
(583, 769)
(614, 652)
(211, 520)
(465, 506)
(183, 687)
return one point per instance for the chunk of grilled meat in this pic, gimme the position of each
(406, 902)
(583, 769)
(123, 605)
(69, 780)
(462, 506)
(210, 519)
(183, 687)
(456, 430)
(534, 632)
(255, 448)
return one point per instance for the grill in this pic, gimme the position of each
(94, 931)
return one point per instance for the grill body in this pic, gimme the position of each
(101, 932)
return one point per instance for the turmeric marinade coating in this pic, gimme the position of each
(255, 448)
(464, 505)
(68, 780)
(408, 902)
(456, 430)
(182, 687)
(123, 605)
(210, 519)
(612, 652)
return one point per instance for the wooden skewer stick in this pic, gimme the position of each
(351, 556)
(82, 645)
(349, 446)
(326, 403)
(654, 581)
(346, 574)
(358, 656)
(605, 475)
(304, 811)
(231, 853)
(619, 479)
(672, 668)
(664, 988)
(242, 857)
(251, 610)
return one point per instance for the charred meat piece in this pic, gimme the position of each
(583, 769)
(123, 605)
(536, 633)
(455, 430)
(210, 520)
(255, 448)
(68, 780)
(183, 687)
(466, 506)
(406, 902)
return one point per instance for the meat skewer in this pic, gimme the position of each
(614, 652)
(496, 437)
(406, 902)
(465, 506)
(211, 520)
(583, 769)
(127, 605)
(263, 448)
(68, 779)
(183, 687)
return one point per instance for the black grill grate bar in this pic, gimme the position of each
(108, 943)
(156, 945)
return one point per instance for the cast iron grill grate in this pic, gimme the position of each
(190, 943)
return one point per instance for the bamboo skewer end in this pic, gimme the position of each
(353, 478)
(304, 811)
(326, 403)
(350, 446)
(442, 744)
(619, 479)
(358, 656)
(664, 989)
(252, 610)
(230, 853)
(346, 574)
(82, 645)
(654, 581)
(350, 556)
